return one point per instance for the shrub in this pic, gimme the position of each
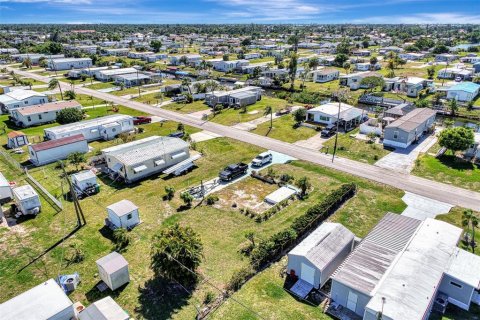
(121, 237)
(69, 115)
(239, 278)
(209, 296)
(169, 192)
(211, 199)
(187, 198)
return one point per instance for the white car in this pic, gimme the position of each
(262, 159)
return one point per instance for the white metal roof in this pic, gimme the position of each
(112, 72)
(465, 266)
(22, 94)
(88, 123)
(147, 149)
(122, 207)
(104, 309)
(324, 244)
(413, 279)
(24, 192)
(42, 302)
(84, 175)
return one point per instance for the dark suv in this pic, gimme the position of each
(329, 131)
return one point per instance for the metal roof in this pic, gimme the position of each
(84, 175)
(146, 149)
(413, 279)
(21, 94)
(469, 87)
(413, 119)
(112, 262)
(42, 302)
(50, 144)
(47, 107)
(465, 266)
(324, 244)
(88, 123)
(364, 268)
(104, 309)
(122, 207)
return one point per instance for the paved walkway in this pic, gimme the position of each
(403, 160)
(421, 186)
(422, 207)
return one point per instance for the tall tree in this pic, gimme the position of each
(54, 83)
(456, 139)
(269, 111)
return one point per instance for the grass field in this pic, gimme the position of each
(449, 169)
(355, 149)
(195, 106)
(231, 116)
(283, 130)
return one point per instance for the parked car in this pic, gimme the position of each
(178, 134)
(233, 171)
(262, 159)
(329, 131)
(141, 120)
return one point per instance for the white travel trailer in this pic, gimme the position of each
(123, 214)
(105, 128)
(85, 183)
(27, 200)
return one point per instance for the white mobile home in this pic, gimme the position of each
(142, 158)
(5, 189)
(328, 114)
(45, 301)
(316, 258)
(21, 98)
(69, 63)
(105, 128)
(113, 270)
(27, 200)
(123, 214)
(465, 91)
(243, 96)
(354, 80)
(109, 74)
(58, 149)
(41, 113)
(325, 75)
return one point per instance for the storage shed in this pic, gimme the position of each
(104, 309)
(123, 214)
(54, 150)
(5, 189)
(45, 301)
(315, 259)
(85, 182)
(113, 270)
(16, 139)
(27, 200)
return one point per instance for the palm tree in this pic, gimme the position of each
(453, 106)
(55, 83)
(313, 63)
(470, 219)
(269, 110)
(186, 83)
(305, 73)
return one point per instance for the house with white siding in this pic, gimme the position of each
(59, 149)
(325, 75)
(69, 63)
(21, 98)
(41, 113)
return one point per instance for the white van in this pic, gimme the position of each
(262, 159)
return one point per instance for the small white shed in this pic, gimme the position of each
(27, 200)
(16, 139)
(123, 214)
(113, 270)
(5, 189)
(104, 309)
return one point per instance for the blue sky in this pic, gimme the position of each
(240, 11)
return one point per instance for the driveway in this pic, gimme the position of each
(314, 143)
(216, 184)
(422, 207)
(403, 160)
(203, 136)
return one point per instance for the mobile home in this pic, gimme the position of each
(58, 149)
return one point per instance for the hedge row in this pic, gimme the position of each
(269, 249)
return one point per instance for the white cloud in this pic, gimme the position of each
(422, 18)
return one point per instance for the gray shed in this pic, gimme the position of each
(113, 270)
(318, 256)
(104, 309)
(123, 214)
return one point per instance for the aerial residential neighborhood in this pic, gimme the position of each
(240, 160)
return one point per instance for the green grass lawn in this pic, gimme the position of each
(231, 116)
(449, 169)
(101, 85)
(221, 230)
(263, 59)
(195, 106)
(84, 100)
(355, 149)
(283, 130)
(455, 313)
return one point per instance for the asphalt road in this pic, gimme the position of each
(424, 187)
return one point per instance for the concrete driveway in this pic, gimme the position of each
(403, 160)
(422, 207)
(216, 184)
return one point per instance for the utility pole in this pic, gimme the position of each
(340, 97)
(78, 210)
(138, 84)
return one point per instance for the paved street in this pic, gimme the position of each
(421, 186)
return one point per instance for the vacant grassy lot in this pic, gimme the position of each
(231, 116)
(195, 106)
(101, 85)
(355, 149)
(449, 169)
(283, 130)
